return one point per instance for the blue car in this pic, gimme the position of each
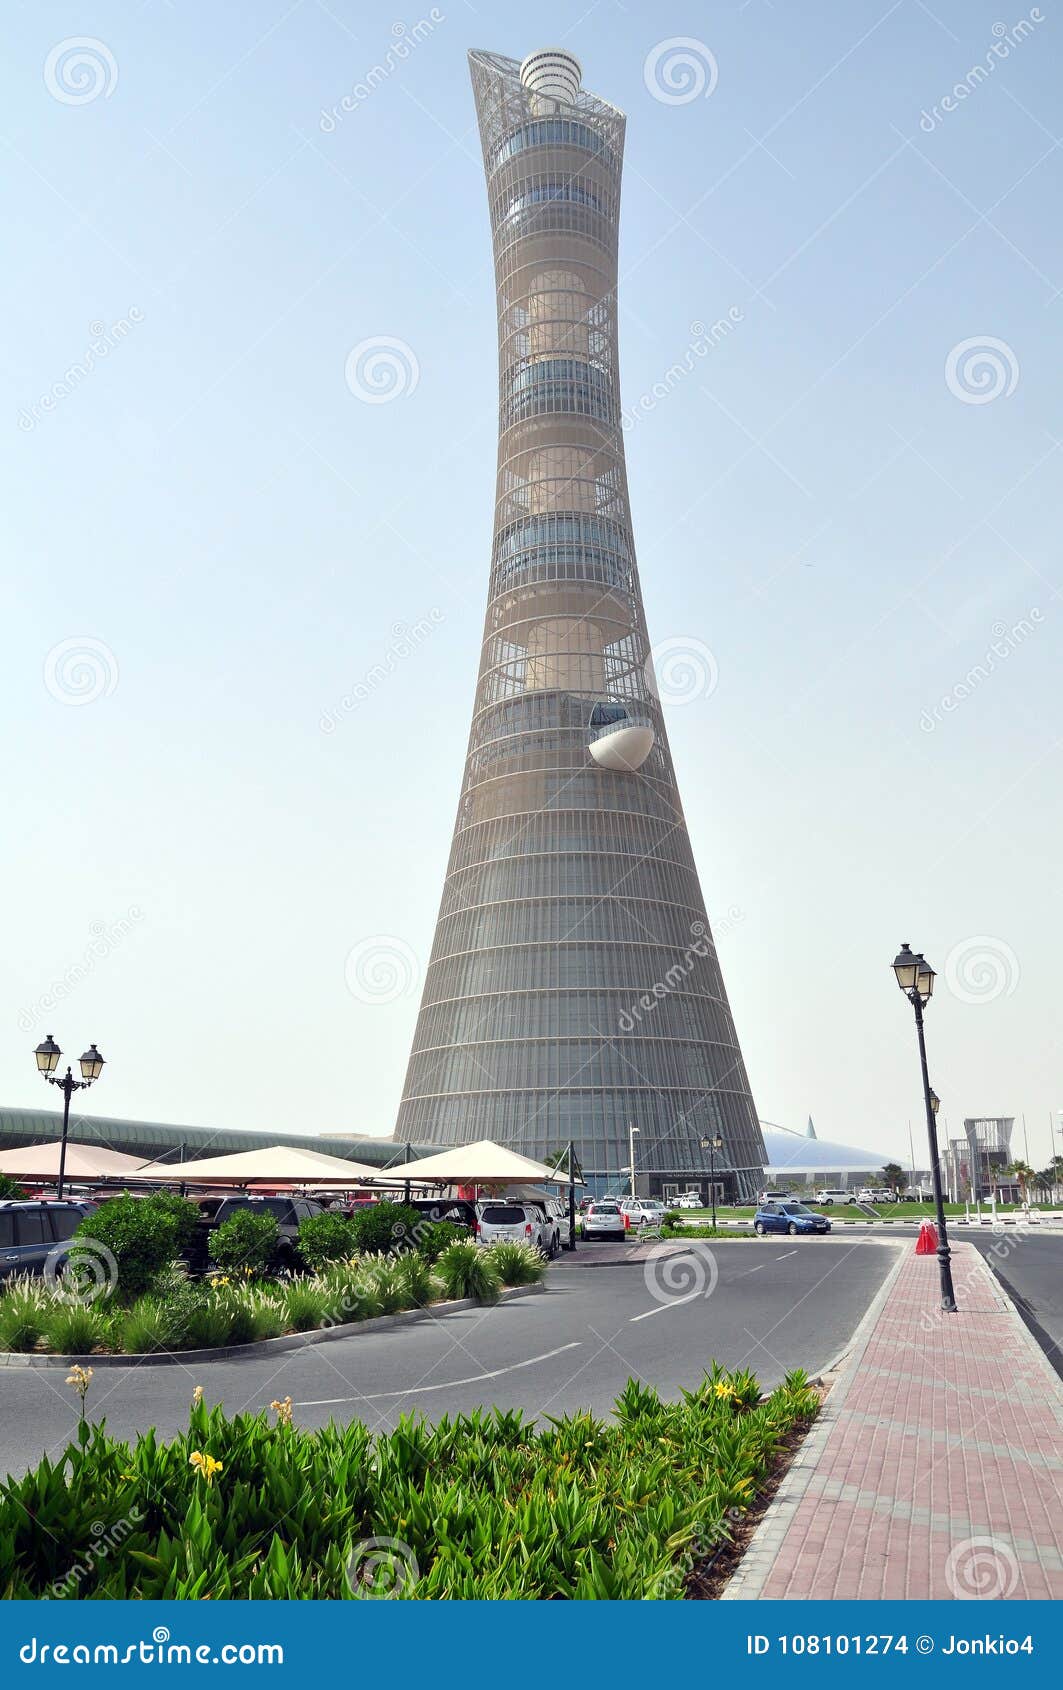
(31, 1231)
(789, 1217)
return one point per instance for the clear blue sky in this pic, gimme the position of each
(816, 502)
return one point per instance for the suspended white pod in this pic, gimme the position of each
(623, 748)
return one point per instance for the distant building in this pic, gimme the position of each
(973, 1166)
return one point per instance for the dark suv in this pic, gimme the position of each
(30, 1231)
(286, 1211)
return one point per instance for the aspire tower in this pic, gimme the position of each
(573, 990)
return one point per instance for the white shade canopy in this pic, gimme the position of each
(280, 1164)
(482, 1163)
(83, 1161)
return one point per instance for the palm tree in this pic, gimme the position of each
(1023, 1175)
(894, 1176)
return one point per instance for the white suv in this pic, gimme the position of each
(832, 1194)
(876, 1194)
(500, 1221)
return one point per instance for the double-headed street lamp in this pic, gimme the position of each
(915, 977)
(713, 1145)
(48, 1054)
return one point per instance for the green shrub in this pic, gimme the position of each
(467, 1270)
(141, 1234)
(517, 1264)
(248, 1239)
(74, 1329)
(389, 1282)
(143, 1328)
(22, 1317)
(434, 1236)
(672, 1217)
(185, 1213)
(382, 1227)
(267, 1317)
(325, 1238)
(487, 1505)
(305, 1305)
(350, 1293)
(10, 1190)
(420, 1283)
(208, 1325)
(241, 1317)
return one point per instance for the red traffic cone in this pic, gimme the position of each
(927, 1242)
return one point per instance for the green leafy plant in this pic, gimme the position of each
(517, 1264)
(305, 1304)
(248, 1240)
(74, 1329)
(325, 1238)
(382, 1227)
(420, 1286)
(22, 1317)
(467, 1270)
(267, 1316)
(141, 1233)
(10, 1190)
(433, 1237)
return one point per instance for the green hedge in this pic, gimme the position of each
(484, 1505)
(143, 1234)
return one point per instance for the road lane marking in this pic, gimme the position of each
(783, 1257)
(753, 1270)
(448, 1385)
(672, 1303)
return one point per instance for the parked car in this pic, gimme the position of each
(789, 1217)
(686, 1200)
(30, 1231)
(557, 1209)
(286, 1211)
(643, 1211)
(775, 1196)
(875, 1194)
(500, 1221)
(832, 1194)
(459, 1211)
(604, 1220)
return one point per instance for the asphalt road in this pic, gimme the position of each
(771, 1306)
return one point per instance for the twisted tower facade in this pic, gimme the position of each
(573, 989)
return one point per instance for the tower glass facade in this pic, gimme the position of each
(573, 989)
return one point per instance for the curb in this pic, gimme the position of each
(268, 1346)
(752, 1573)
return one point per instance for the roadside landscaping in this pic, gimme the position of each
(483, 1505)
(382, 1261)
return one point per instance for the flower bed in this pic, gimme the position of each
(481, 1505)
(236, 1307)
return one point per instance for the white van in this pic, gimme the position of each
(832, 1194)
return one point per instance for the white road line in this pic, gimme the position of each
(753, 1270)
(672, 1303)
(419, 1390)
(787, 1253)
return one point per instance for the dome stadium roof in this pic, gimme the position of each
(791, 1153)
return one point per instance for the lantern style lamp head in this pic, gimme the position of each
(91, 1065)
(906, 967)
(924, 979)
(717, 1143)
(47, 1054)
(935, 1101)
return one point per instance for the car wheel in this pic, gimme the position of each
(792, 1230)
(760, 1229)
(827, 1202)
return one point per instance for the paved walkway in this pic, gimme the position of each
(936, 1468)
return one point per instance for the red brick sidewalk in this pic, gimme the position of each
(936, 1468)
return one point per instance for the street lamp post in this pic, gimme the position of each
(915, 977)
(713, 1145)
(48, 1054)
(632, 1131)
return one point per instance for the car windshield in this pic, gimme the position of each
(794, 1209)
(604, 1209)
(503, 1214)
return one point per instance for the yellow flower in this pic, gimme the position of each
(283, 1411)
(80, 1378)
(205, 1465)
(197, 1395)
(725, 1390)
